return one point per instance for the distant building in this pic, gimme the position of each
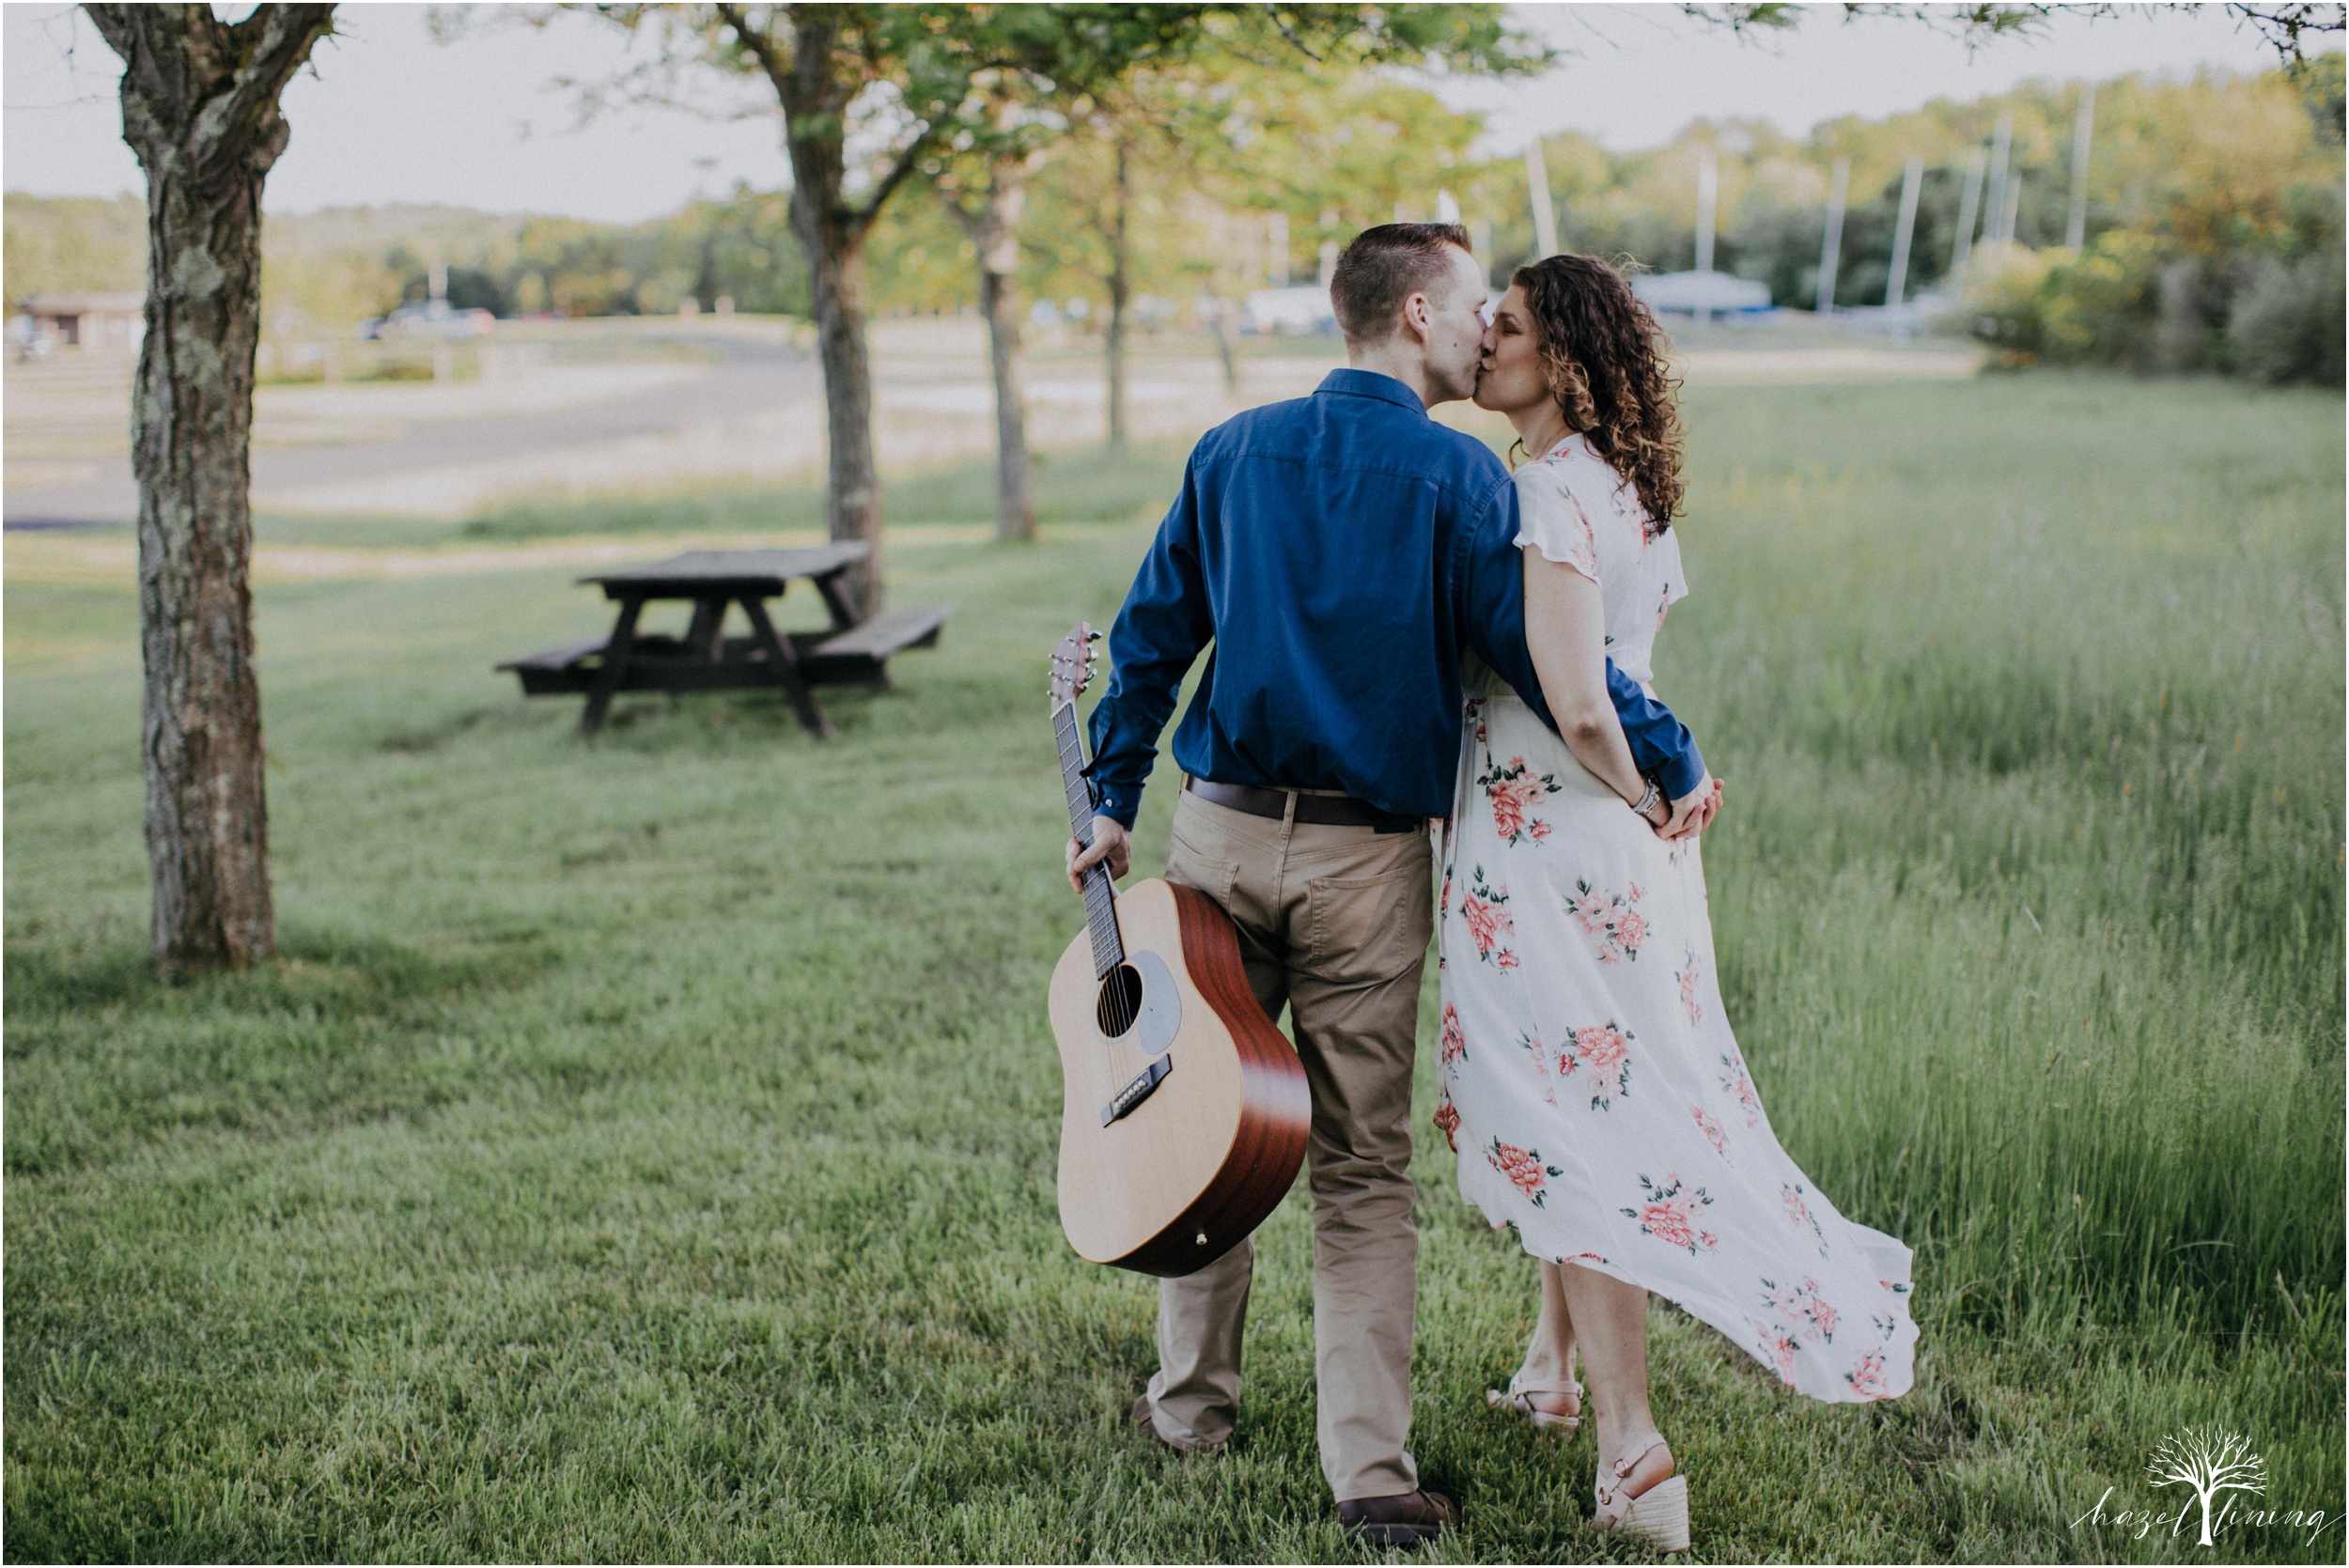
(93, 323)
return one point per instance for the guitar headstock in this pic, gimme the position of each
(1072, 663)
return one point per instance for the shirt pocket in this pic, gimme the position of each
(1369, 928)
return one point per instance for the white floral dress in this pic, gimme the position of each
(1591, 1084)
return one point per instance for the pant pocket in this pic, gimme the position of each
(1369, 928)
(1187, 866)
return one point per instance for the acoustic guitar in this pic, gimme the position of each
(1186, 1111)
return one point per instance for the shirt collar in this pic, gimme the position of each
(1371, 383)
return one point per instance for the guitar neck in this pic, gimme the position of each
(1101, 894)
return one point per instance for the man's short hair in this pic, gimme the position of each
(1386, 266)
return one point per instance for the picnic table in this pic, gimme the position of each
(705, 659)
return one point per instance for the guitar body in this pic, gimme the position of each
(1183, 1130)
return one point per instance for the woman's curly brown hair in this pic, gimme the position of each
(1605, 358)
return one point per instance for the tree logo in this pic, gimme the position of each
(2210, 1461)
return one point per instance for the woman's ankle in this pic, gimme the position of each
(1624, 1438)
(1543, 1364)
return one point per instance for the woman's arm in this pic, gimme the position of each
(1566, 635)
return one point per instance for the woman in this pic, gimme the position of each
(1591, 1082)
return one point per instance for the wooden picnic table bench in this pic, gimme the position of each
(851, 651)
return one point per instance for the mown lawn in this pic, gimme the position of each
(644, 1149)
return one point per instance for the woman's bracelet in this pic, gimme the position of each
(1646, 802)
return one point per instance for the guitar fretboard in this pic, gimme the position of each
(1101, 894)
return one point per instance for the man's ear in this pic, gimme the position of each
(1418, 313)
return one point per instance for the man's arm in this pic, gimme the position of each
(1494, 577)
(1163, 625)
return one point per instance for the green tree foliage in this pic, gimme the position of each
(2216, 236)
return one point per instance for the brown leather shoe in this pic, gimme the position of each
(1404, 1521)
(1150, 1430)
(1149, 1427)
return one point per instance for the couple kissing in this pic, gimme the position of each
(1398, 629)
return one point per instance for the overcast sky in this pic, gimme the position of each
(392, 115)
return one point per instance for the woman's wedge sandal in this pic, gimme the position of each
(1519, 1397)
(1657, 1514)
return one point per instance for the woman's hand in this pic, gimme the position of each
(1693, 812)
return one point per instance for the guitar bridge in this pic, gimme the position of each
(1146, 1083)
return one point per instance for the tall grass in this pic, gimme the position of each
(644, 1149)
(2040, 747)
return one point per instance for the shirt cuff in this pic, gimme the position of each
(1120, 802)
(1679, 776)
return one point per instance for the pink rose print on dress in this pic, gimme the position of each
(1711, 1128)
(1475, 714)
(1524, 1169)
(1670, 1216)
(1797, 1210)
(1779, 1346)
(1581, 541)
(1739, 1084)
(1448, 1120)
(1530, 1043)
(1485, 910)
(1604, 1051)
(1687, 981)
(1612, 918)
(1514, 790)
(1454, 1043)
(1802, 1305)
(1867, 1380)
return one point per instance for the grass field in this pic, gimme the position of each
(645, 1150)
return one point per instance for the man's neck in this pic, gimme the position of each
(1395, 358)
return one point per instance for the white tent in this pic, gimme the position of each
(1718, 293)
(1302, 309)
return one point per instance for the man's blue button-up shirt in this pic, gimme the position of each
(1339, 552)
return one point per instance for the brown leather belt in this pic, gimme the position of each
(1341, 810)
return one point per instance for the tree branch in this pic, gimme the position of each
(2281, 25)
(756, 44)
(896, 175)
(1295, 42)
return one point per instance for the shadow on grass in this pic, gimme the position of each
(318, 975)
(101, 1056)
(931, 696)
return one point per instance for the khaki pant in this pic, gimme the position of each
(1334, 922)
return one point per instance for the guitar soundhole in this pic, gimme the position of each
(1120, 1002)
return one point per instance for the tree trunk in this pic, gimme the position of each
(994, 231)
(853, 496)
(1219, 318)
(1121, 293)
(199, 108)
(832, 233)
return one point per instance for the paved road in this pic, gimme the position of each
(750, 376)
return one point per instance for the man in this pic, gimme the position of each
(1339, 552)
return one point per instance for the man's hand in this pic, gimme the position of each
(1693, 812)
(1111, 842)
